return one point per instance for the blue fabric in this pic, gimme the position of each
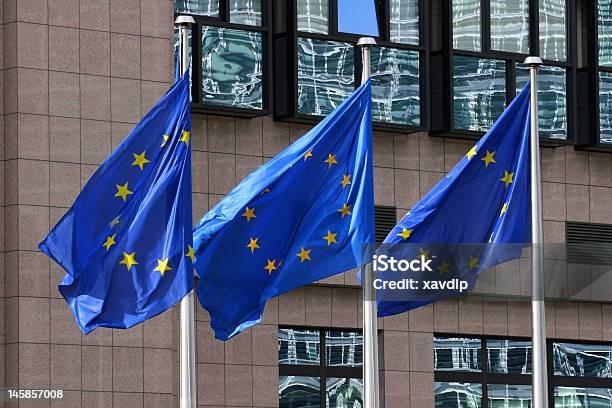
(472, 205)
(357, 17)
(295, 199)
(148, 220)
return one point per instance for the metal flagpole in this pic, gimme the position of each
(187, 394)
(538, 330)
(370, 323)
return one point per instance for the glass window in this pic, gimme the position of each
(326, 75)
(552, 99)
(553, 34)
(457, 354)
(508, 396)
(404, 21)
(582, 360)
(509, 356)
(343, 392)
(344, 349)
(198, 7)
(296, 391)
(245, 12)
(510, 25)
(574, 397)
(458, 395)
(312, 16)
(299, 347)
(466, 25)
(232, 68)
(479, 92)
(605, 107)
(395, 86)
(604, 23)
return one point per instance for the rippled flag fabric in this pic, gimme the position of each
(299, 218)
(482, 205)
(126, 242)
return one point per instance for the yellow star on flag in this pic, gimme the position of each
(504, 209)
(507, 178)
(473, 263)
(128, 260)
(253, 244)
(266, 191)
(346, 180)
(123, 191)
(330, 238)
(472, 152)
(110, 241)
(405, 234)
(345, 210)
(162, 266)
(271, 266)
(444, 267)
(114, 222)
(140, 160)
(249, 213)
(424, 253)
(307, 155)
(190, 254)
(304, 254)
(488, 159)
(331, 160)
(166, 138)
(185, 137)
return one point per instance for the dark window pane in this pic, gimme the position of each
(570, 397)
(458, 395)
(245, 12)
(404, 21)
(344, 349)
(466, 25)
(604, 23)
(232, 68)
(457, 354)
(582, 360)
(510, 25)
(552, 30)
(605, 107)
(479, 92)
(299, 347)
(199, 7)
(312, 16)
(552, 99)
(326, 75)
(299, 392)
(344, 392)
(509, 396)
(395, 86)
(509, 356)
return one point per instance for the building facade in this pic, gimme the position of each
(78, 74)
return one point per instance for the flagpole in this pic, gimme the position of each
(187, 394)
(370, 322)
(538, 331)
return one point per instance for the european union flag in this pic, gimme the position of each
(299, 218)
(480, 211)
(126, 241)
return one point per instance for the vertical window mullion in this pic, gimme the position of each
(534, 27)
(485, 28)
(323, 376)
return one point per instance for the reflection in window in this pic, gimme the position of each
(479, 92)
(395, 86)
(457, 354)
(326, 75)
(312, 16)
(245, 12)
(604, 23)
(232, 68)
(582, 360)
(573, 397)
(509, 356)
(344, 349)
(404, 21)
(299, 347)
(458, 395)
(510, 25)
(344, 392)
(552, 99)
(552, 30)
(199, 7)
(297, 392)
(504, 396)
(605, 107)
(466, 25)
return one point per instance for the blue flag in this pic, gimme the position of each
(301, 217)
(480, 211)
(126, 241)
